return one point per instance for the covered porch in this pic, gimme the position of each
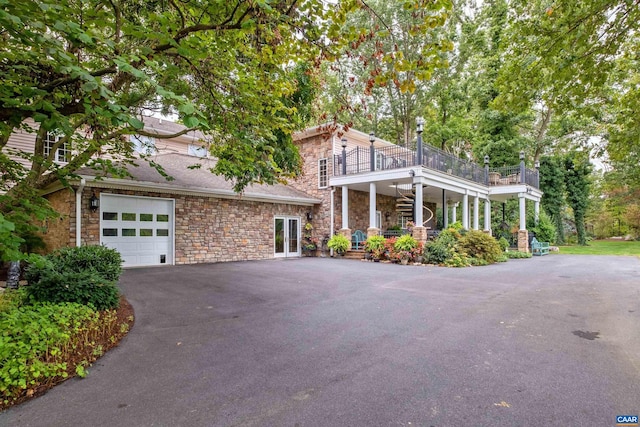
(418, 184)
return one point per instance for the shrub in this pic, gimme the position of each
(405, 242)
(85, 275)
(504, 244)
(84, 287)
(457, 260)
(441, 249)
(374, 243)
(517, 255)
(477, 244)
(339, 243)
(545, 231)
(39, 339)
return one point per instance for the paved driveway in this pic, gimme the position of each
(321, 342)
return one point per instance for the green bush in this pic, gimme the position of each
(339, 243)
(442, 248)
(85, 275)
(517, 255)
(374, 243)
(504, 244)
(405, 242)
(476, 244)
(33, 344)
(545, 231)
(84, 287)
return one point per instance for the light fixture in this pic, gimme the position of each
(309, 216)
(420, 124)
(372, 137)
(486, 160)
(344, 142)
(537, 165)
(412, 172)
(94, 202)
(387, 216)
(522, 155)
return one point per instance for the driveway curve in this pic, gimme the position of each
(551, 341)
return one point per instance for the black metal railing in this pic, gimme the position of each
(359, 160)
(442, 161)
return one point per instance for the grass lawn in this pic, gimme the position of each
(604, 247)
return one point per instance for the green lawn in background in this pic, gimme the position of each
(604, 247)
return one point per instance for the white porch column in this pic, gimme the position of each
(419, 207)
(523, 212)
(536, 211)
(465, 211)
(345, 207)
(454, 212)
(476, 212)
(372, 205)
(487, 215)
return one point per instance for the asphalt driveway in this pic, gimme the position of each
(553, 340)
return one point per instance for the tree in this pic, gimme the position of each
(553, 187)
(576, 175)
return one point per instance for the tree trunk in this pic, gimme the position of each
(13, 275)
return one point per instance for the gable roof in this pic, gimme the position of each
(197, 182)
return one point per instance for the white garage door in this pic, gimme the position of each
(140, 228)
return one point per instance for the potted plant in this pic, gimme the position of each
(339, 243)
(374, 247)
(405, 246)
(309, 243)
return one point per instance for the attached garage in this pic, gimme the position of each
(140, 228)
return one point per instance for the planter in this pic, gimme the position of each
(404, 261)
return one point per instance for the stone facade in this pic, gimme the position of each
(207, 229)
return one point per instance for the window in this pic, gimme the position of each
(143, 144)
(62, 152)
(197, 150)
(323, 176)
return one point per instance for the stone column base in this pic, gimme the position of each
(489, 232)
(346, 232)
(523, 240)
(420, 234)
(373, 231)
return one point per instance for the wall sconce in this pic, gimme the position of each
(309, 216)
(387, 216)
(412, 173)
(94, 202)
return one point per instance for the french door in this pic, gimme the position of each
(286, 236)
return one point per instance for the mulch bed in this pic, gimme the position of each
(125, 315)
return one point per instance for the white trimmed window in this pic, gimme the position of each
(143, 144)
(323, 173)
(62, 152)
(197, 150)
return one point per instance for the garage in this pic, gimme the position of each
(140, 228)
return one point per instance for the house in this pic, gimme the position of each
(351, 181)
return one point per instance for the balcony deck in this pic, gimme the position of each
(362, 160)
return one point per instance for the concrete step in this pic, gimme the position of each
(353, 254)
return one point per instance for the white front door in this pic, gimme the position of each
(286, 239)
(140, 228)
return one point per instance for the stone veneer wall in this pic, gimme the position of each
(311, 150)
(206, 229)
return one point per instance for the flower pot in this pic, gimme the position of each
(404, 261)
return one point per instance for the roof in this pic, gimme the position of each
(198, 182)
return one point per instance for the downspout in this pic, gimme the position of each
(79, 212)
(332, 219)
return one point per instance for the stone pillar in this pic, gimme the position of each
(419, 205)
(372, 205)
(476, 212)
(523, 212)
(465, 211)
(523, 240)
(373, 231)
(345, 207)
(536, 211)
(420, 233)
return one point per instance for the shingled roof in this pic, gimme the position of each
(200, 181)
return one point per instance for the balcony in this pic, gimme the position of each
(361, 160)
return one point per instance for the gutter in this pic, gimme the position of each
(79, 212)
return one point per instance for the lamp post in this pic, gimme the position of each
(522, 170)
(372, 138)
(344, 156)
(486, 170)
(537, 166)
(419, 129)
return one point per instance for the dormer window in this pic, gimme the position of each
(197, 150)
(143, 144)
(62, 153)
